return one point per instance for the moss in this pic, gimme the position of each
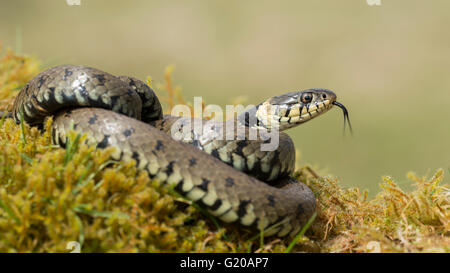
(50, 196)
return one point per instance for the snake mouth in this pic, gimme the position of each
(346, 117)
(288, 116)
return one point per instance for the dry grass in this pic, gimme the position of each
(50, 196)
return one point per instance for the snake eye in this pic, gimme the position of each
(324, 96)
(306, 97)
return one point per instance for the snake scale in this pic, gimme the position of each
(226, 178)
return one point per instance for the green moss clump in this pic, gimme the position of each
(50, 196)
(394, 221)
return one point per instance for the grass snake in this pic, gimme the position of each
(234, 180)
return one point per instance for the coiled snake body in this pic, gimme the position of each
(107, 109)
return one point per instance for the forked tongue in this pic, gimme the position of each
(346, 118)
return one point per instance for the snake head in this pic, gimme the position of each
(293, 108)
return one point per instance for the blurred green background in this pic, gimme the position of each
(389, 65)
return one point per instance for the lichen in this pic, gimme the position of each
(51, 196)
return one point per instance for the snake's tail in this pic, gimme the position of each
(346, 117)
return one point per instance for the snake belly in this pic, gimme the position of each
(116, 111)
